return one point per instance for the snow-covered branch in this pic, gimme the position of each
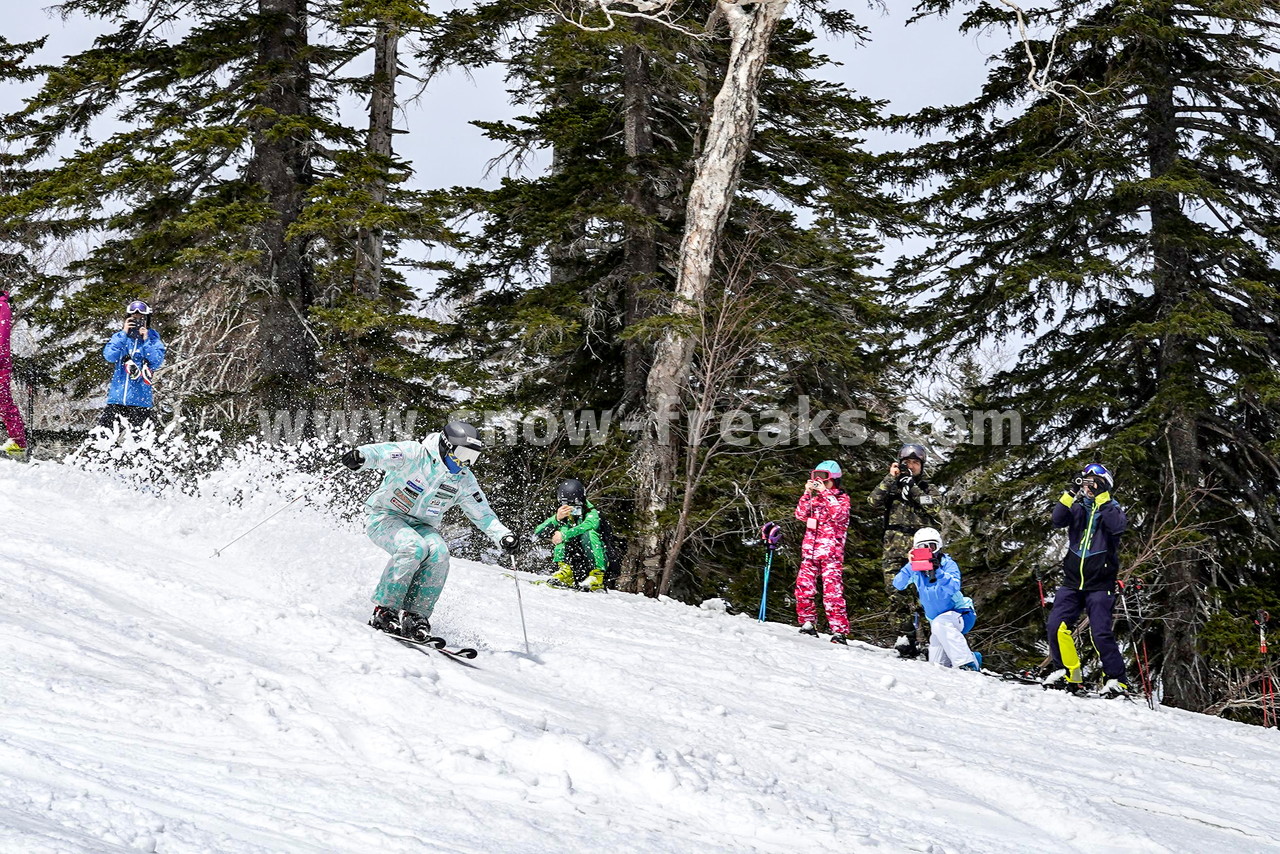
(583, 13)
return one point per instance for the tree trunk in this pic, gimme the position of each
(640, 262)
(715, 180)
(281, 165)
(1182, 667)
(382, 105)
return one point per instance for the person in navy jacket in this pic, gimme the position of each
(1094, 523)
(137, 353)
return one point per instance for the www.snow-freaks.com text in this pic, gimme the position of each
(799, 425)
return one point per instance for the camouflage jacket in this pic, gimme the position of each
(908, 503)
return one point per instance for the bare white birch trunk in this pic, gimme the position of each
(715, 180)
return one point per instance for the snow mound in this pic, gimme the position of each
(156, 698)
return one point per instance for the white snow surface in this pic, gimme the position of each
(156, 698)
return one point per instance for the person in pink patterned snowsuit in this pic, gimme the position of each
(8, 409)
(824, 509)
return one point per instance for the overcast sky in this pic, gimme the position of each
(925, 63)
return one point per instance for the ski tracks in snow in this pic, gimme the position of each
(153, 698)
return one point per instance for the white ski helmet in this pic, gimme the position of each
(927, 538)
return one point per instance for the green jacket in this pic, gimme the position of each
(589, 528)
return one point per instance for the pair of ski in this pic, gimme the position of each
(1024, 677)
(460, 655)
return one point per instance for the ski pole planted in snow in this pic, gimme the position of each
(1268, 687)
(772, 535)
(520, 604)
(1139, 647)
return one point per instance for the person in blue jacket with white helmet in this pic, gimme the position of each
(936, 577)
(137, 353)
(421, 481)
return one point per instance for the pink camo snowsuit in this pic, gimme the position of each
(826, 518)
(8, 410)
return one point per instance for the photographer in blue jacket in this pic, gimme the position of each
(137, 353)
(936, 577)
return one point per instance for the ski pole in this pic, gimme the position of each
(764, 595)
(31, 413)
(520, 604)
(218, 552)
(1268, 689)
(772, 535)
(1139, 648)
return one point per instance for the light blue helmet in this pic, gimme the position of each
(831, 467)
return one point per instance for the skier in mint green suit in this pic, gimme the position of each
(422, 481)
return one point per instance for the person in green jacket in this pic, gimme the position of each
(577, 546)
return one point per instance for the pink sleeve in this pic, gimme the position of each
(6, 325)
(802, 509)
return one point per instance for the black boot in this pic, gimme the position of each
(385, 620)
(414, 626)
(906, 642)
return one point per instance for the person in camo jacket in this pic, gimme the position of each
(824, 509)
(909, 503)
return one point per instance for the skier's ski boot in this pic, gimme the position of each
(563, 577)
(415, 627)
(1056, 679)
(843, 640)
(594, 581)
(13, 449)
(906, 647)
(1115, 686)
(975, 665)
(809, 629)
(385, 620)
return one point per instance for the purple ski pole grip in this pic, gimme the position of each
(771, 533)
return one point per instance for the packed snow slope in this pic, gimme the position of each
(156, 698)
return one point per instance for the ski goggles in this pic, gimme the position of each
(138, 307)
(820, 474)
(465, 456)
(912, 452)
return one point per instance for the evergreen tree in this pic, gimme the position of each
(201, 151)
(564, 271)
(1120, 222)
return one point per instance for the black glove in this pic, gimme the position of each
(353, 459)
(133, 328)
(1074, 485)
(509, 544)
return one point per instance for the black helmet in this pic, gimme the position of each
(572, 492)
(462, 441)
